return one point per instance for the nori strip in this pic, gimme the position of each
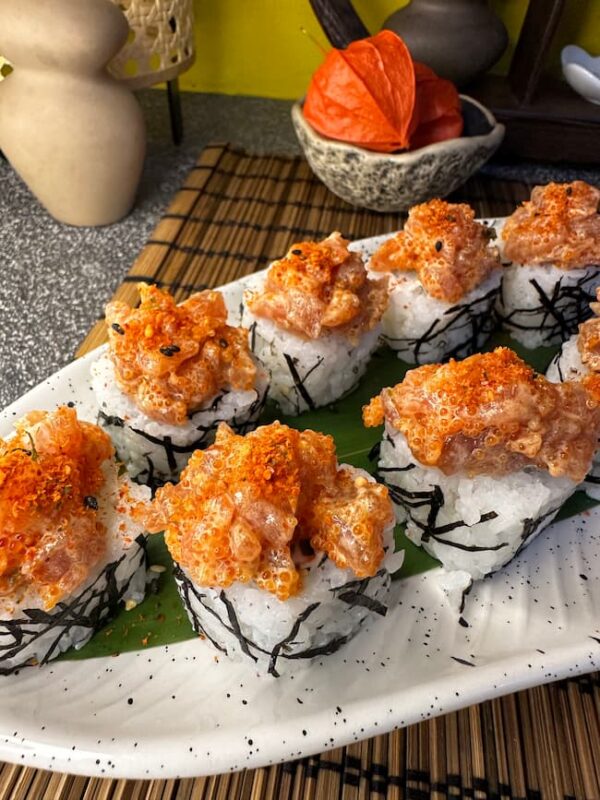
(359, 599)
(299, 382)
(235, 625)
(289, 638)
(463, 661)
(556, 361)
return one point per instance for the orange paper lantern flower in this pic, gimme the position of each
(436, 115)
(373, 95)
(364, 94)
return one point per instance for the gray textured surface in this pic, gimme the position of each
(55, 280)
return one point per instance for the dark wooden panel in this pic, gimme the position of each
(539, 27)
(557, 125)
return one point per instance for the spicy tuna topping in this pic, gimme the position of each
(172, 358)
(560, 225)
(443, 243)
(588, 341)
(318, 287)
(50, 473)
(492, 414)
(255, 507)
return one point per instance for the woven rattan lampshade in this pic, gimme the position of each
(161, 41)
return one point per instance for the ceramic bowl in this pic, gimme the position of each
(397, 181)
(582, 72)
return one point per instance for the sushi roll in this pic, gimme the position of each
(281, 554)
(444, 281)
(480, 454)
(70, 548)
(170, 375)
(314, 322)
(579, 357)
(553, 245)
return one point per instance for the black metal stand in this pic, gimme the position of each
(175, 111)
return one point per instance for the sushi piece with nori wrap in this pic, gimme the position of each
(577, 358)
(70, 548)
(552, 244)
(479, 455)
(281, 554)
(171, 374)
(444, 278)
(314, 319)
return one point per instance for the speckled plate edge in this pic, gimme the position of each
(167, 708)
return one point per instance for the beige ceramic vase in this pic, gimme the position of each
(74, 134)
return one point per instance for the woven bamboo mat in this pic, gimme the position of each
(234, 214)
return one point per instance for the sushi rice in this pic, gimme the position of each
(308, 373)
(542, 305)
(155, 452)
(422, 329)
(568, 366)
(30, 634)
(472, 525)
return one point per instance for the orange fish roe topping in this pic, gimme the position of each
(244, 506)
(172, 358)
(442, 242)
(320, 286)
(50, 472)
(588, 341)
(492, 414)
(560, 225)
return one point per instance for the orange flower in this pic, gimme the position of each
(373, 95)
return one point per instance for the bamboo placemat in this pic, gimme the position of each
(236, 213)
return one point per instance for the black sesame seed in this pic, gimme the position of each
(296, 252)
(170, 350)
(90, 502)
(438, 246)
(223, 343)
(116, 327)
(569, 191)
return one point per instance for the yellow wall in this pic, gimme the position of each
(257, 47)
(271, 47)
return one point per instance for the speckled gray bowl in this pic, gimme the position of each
(397, 181)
